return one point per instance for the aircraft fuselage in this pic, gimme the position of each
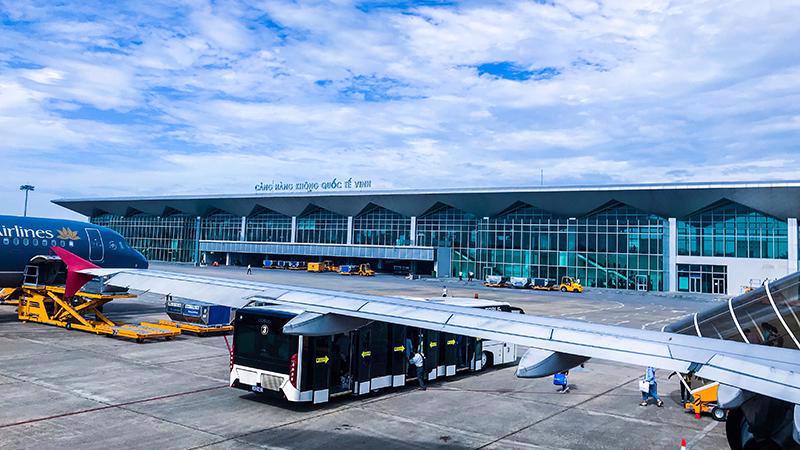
(23, 239)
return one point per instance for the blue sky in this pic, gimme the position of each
(158, 97)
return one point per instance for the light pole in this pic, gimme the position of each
(27, 188)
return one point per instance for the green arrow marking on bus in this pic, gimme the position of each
(400, 348)
(451, 342)
(366, 353)
(323, 360)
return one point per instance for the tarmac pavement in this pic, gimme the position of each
(68, 389)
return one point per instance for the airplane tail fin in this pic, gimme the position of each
(74, 263)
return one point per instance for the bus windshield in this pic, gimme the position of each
(259, 342)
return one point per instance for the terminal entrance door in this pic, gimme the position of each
(695, 283)
(641, 282)
(718, 285)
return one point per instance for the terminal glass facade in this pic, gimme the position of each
(322, 227)
(614, 246)
(169, 238)
(733, 230)
(268, 226)
(445, 226)
(618, 247)
(220, 227)
(380, 226)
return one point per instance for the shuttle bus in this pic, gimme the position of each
(373, 357)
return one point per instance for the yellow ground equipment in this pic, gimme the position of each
(704, 401)
(363, 270)
(47, 305)
(324, 266)
(8, 297)
(200, 330)
(569, 284)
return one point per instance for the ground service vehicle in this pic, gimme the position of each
(519, 282)
(363, 270)
(324, 266)
(544, 284)
(372, 357)
(569, 284)
(495, 281)
(704, 400)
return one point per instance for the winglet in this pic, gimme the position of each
(74, 263)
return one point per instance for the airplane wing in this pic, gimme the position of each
(770, 371)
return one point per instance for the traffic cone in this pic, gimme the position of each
(476, 295)
(683, 444)
(697, 415)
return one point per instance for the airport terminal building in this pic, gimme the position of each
(709, 237)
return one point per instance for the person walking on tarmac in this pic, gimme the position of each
(562, 379)
(418, 360)
(249, 270)
(444, 291)
(652, 388)
(460, 276)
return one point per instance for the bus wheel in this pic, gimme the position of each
(718, 413)
(486, 360)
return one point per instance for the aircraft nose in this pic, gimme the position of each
(140, 262)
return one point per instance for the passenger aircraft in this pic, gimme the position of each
(760, 384)
(30, 239)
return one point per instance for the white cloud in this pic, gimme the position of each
(163, 94)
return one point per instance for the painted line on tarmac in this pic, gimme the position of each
(112, 406)
(508, 435)
(668, 320)
(702, 433)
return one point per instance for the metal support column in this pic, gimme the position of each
(293, 238)
(792, 241)
(242, 230)
(671, 259)
(197, 241)
(413, 230)
(349, 230)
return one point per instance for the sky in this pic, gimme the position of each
(160, 97)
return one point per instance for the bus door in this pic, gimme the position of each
(340, 365)
(398, 363)
(449, 354)
(362, 360)
(475, 352)
(380, 374)
(463, 344)
(321, 372)
(440, 366)
(431, 353)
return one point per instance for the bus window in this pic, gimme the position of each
(259, 342)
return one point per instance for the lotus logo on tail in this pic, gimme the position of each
(68, 234)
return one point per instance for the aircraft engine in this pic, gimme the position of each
(536, 363)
